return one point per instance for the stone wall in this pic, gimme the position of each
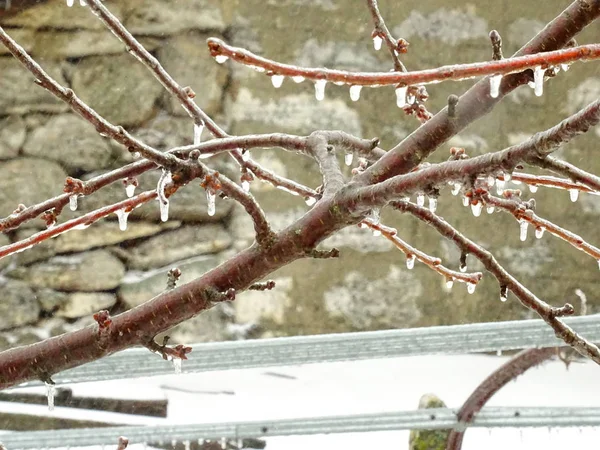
(57, 285)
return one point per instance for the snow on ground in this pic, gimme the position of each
(394, 384)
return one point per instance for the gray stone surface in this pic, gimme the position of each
(138, 287)
(209, 326)
(79, 304)
(12, 136)
(118, 87)
(4, 262)
(28, 181)
(19, 305)
(97, 270)
(255, 307)
(182, 243)
(71, 141)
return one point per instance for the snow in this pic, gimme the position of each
(384, 385)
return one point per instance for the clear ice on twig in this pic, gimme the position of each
(355, 92)
(465, 200)
(539, 232)
(70, 3)
(420, 199)
(573, 194)
(221, 58)
(50, 392)
(246, 186)
(211, 199)
(198, 128)
(163, 201)
(377, 41)
(122, 216)
(177, 364)
(495, 81)
(476, 208)
(490, 209)
(73, 202)
(456, 187)
(130, 190)
(471, 287)
(401, 96)
(320, 89)
(432, 204)
(449, 283)
(310, 201)
(410, 261)
(298, 79)
(533, 188)
(500, 186)
(348, 158)
(277, 80)
(245, 155)
(538, 80)
(523, 230)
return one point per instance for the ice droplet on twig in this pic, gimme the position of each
(187, 445)
(50, 392)
(246, 186)
(462, 267)
(476, 208)
(490, 209)
(377, 41)
(449, 283)
(410, 262)
(401, 96)
(495, 81)
(245, 155)
(420, 199)
(539, 232)
(523, 224)
(507, 177)
(355, 92)
(277, 81)
(500, 186)
(456, 188)
(573, 194)
(533, 188)
(211, 199)
(565, 67)
(122, 216)
(348, 158)
(491, 180)
(82, 3)
(376, 233)
(130, 190)
(163, 201)
(198, 129)
(465, 200)
(538, 80)
(221, 58)
(223, 443)
(471, 287)
(177, 364)
(503, 293)
(320, 89)
(432, 204)
(298, 79)
(70, 3)
(73, 202)
(310, 201)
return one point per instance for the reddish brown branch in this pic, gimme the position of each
(381, 30)
(507, 372)
(569, 170)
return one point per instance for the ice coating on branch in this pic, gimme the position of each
(320, 89)
(73, 202)
(495, 81)
(221, 58)
(538, 81)
(523, 224)
(50, 392)
(471, 288)
(298, 79)
(122, 216)
(377, 41)
(130, 190)
(476, 208)
(573, 194)
(401, 96)
(163, 201)
(410, 262)
(348, 158)
(211, 200)
(539, 232)
(177, 364)
(432, 204)
(198, 129)
(277, 81)
(533, 188)
(420, 199)
(310, 201)
(355, 92)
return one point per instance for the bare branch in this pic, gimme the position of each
(569, 170)
(381, 30)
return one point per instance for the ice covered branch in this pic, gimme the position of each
(381, 32)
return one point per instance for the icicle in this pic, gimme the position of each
(221, 58)
(456, 187)
(420, 199)
(130, 190)
(198, 129)
(70, 3)
(177, 364)
(320, 89)
(498, 352)
(401, 96)
(410, 99)
(82, 3)
(298, 79)
(410, 262)
(163, 201)
(187, 445)
(210, 198)
(471, 287)
(362, 225)
(173, 443)
(573, 194)
(122, 215)
(523, 230)
(500, 186)
(348, 157)
(377, 41)
(432, 204)
(491, 180)
(539, 232)
(277, 80)
(503, 293)
(246, 186)
(245, 155)
(476, 208)
(495, 81)
(310, 201)
(73, 202)
(533, 188)
(599, 264)
(223, 443)
(538, 81)
(565, 67)
(376, 233)
(136, 155)
(462, 268)
(355, 92)
(449, 283)
(50, 392)
(465, 200)
(490, 209)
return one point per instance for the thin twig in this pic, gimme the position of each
(395, 47)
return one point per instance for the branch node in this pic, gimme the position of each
(103, 320)
(496, 45)
(566, 310)
(266, 286)
(173, 277)
(324, 254)
(452, 102)
(179, 351)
